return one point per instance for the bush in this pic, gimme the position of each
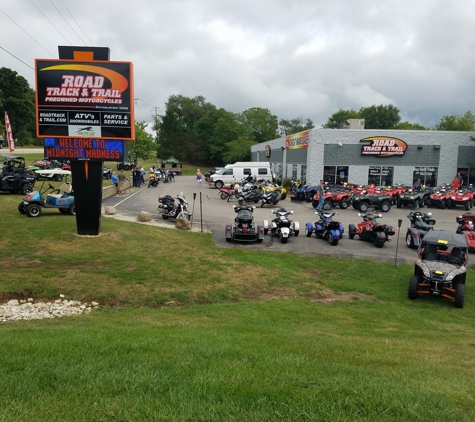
(286, 183)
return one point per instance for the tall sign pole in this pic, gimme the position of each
(85, 111)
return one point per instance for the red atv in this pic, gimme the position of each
(462, 197)
(394, 192)
(370, 229)
(439, 198)
(342, 199)
(467, 227)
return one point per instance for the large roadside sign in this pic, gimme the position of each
(92, 99)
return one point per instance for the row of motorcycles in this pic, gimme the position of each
(251, 191)
(158, 175)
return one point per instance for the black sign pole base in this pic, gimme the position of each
(87, 186)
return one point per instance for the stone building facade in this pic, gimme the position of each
(383, 157)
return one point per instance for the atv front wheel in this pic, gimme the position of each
(459, 295)
(467, 205)
(413, 285)
(33, 210)
(363, 207)
(385, 206)
(332, 241)
(344, 204)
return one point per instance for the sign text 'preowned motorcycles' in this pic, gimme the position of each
(84, 99)
(383, 146)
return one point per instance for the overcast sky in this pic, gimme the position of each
(298, 58)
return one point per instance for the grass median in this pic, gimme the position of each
(189, 331)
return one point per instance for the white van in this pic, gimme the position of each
(237, 171)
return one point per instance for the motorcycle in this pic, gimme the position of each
(226, 192)
(326, 228)
(169, 208)
(252, 195)
(421, 223)
(271, 197)
(153, 181)
(282, 225)
(370, 229)
(466, 226)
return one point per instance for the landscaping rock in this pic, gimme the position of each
(183, 224)
(16, 310)
(144, 217)
(109, 210)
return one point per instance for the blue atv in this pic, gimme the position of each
(326, 228)
(305, 193)
(62, 198)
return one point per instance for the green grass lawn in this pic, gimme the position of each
(191, 332)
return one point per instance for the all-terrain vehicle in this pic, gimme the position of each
(244, 229)
(421, 223)
(62, 198)
(364, 201)
(410, 198)
(14, 176)
(440, 269)
(461, 197)
(338, 197)
(439, 198)
(326, 228)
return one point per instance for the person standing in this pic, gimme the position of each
(199, 177)
(320, 195)
(122, 180)
(456, 183)
(115, 181)
(416, 187)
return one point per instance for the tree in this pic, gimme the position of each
(295, 125)
(18, 99)
(178, 128)
(409, 126)
(238, 150)
(334, 121)
(457, 123)
(143, 145)
(380, 117)
(259, 124)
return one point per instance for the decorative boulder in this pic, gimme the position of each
(144, 217)
(183, 224)
(110, 210)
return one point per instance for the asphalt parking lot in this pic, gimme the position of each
(214, 213)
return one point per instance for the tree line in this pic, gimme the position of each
(195, 130)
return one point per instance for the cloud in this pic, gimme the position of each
(302, 58)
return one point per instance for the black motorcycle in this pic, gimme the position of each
(169, 208)
(421, 223)
(252, 195)
(153, 181)
(271, 197)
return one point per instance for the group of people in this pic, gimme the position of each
(118, 181)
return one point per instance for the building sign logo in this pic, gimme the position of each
(383, 146)
(299, 140)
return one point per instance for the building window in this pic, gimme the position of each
(380, 176)
(335, 175)
(428, 175)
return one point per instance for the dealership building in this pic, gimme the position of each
(364, 156)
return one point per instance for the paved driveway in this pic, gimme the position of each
(214, 213)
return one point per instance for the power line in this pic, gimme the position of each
(52, 24)
(26, 34)
(26, 64)
(67, 22)
(76, 22)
